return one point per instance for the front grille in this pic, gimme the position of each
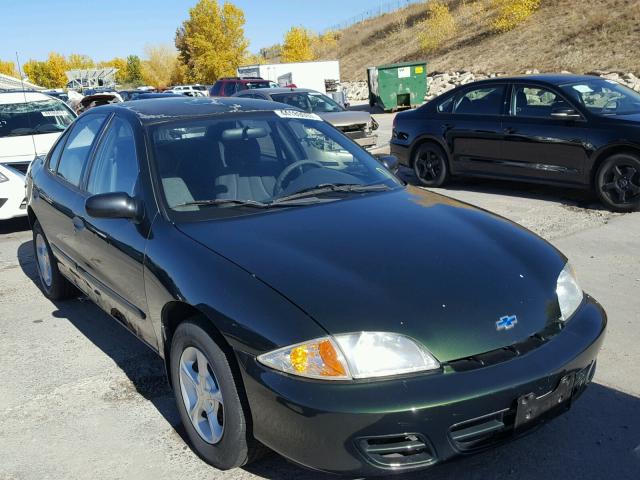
(504, 354)
(398, 451)
(353, 128)
(20, 167)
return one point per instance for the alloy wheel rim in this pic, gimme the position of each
(44, 262)
(428, 166)
(621, 184)
(201, 395)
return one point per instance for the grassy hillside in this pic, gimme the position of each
(575, 35)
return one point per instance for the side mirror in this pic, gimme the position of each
(565, 114)
(390, 162)
(112, 205)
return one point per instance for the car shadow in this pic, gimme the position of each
(14, 225)
(143, 367)
(571, 197)
(598, 438)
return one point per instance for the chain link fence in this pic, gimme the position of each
(372, 12)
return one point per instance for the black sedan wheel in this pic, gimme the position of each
(618, 182)
(430, 165)
(54, 285)
(208, 398)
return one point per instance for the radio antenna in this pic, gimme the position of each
(24, 95)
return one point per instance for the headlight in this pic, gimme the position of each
(569, 292)
(353, 355)
(3, 178)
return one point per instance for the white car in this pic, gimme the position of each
(30, 123)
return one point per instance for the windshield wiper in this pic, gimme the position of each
(334, 187)
(245, 203)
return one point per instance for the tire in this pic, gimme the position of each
(617, 182)
(233, 445)
(53, 284)
(430, 165)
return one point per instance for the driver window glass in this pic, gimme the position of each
(115, 168)
(535, 102)
(77, 148)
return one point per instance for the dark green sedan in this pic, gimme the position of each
(303, 298)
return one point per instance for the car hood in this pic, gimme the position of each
(407, 261)
(26, 147)
(343, 119)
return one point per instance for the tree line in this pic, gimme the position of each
(210, 44)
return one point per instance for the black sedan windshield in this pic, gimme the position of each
(604, 97)
(260, 160)
(34, 118)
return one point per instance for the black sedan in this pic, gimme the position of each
(253, 247)
(567, 130)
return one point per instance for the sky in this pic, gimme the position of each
(117, 28)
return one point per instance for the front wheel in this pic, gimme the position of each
(618, 182)
(208, 398)
(430, 165)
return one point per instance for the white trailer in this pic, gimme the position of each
(321, 76)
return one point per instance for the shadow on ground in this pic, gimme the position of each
(579, 198)
(13, 225)
(598, 438)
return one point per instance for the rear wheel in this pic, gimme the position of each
(209, 399)
(618, 182)
(430, 165)
(54, 285)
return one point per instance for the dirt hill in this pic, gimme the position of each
(575, 35)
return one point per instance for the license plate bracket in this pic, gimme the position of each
(531, 406)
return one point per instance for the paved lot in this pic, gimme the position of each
(81, 398)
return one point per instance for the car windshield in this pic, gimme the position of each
(34, 118)
(604, 97)
(308, 101)
(260, 160)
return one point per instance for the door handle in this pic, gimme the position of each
(78, 224)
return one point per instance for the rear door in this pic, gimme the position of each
(537, 146)
(57, 197)
(112, 249)
(473, 127)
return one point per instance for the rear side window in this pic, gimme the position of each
(481, 101)
(215, 90)
(76, 152)
(446, 106)
(229, 89)
(115, 167)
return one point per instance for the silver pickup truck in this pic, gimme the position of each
(359, 126)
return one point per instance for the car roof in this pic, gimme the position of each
(548, 78)
(172, 108)
(21, 97)
(281, 90)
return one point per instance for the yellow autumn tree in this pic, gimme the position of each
(48, 74)
(439, 26)
(512, 13)
(76, 61)
(158, 65)
(211, 42)
(9, 68)
(298, 45)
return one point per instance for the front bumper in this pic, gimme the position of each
(12, 194)
(401, 152)
(353, 428)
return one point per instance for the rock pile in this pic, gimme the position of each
(440, 83)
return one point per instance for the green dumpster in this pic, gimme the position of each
(399, 85)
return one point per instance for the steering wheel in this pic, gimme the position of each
(287, 171)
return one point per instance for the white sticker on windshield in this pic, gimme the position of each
(296, 114)
(582, 88)
(54, 113)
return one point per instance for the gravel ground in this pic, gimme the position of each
(81, 398)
